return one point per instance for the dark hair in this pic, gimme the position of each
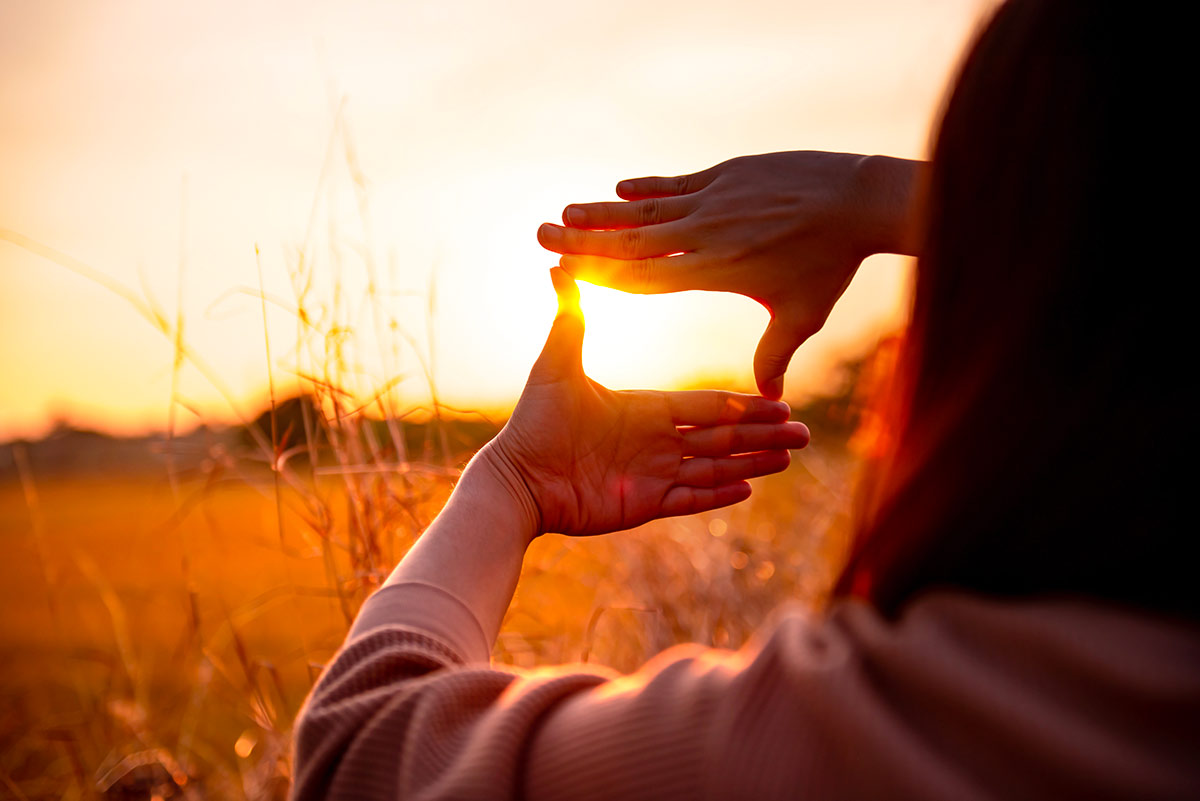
(1044, 416)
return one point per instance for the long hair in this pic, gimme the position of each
(1044, 416)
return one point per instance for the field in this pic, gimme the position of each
(160, 627)
(166, 603)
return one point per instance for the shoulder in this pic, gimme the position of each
(1030, 698)
(1078, 642)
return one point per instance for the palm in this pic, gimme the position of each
(611, 458)
(595, 460)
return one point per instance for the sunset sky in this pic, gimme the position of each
(160, 143)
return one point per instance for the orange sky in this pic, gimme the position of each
(158, 144)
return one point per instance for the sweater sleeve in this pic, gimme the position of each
(962, 698)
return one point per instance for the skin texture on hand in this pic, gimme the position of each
(585, 460)
(786, 229)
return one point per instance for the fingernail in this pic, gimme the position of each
(575, 216)
(774, 388)
(549, 233)
(624, 186)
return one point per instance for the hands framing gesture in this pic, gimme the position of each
(787, 229)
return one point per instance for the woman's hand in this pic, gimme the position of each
(582, 459)
(786, 229)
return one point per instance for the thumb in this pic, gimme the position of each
(775, 350)
(562, 354)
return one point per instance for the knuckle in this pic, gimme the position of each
(629, 243)
(770, 370)
(649, 212)
(641, 273)
(680, 184)
(646, 274)
(776, 361)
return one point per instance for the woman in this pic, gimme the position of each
(1017, 619)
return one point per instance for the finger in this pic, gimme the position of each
(656, 186)
(744, 438)
(704, 471)
(608, 216)
(774, 353)
(710, 407)
(629, 243)
(689, 500)
(649, 276)
(562, 354)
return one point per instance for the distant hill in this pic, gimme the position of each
(74, 451)
(448, 441)
(70, 451)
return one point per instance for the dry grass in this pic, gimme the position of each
(161, 629)
(151, 647)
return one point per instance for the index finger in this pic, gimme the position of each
(652, 275)
(659, 186)
(627, 214)
(710, 407)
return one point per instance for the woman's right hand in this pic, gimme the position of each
(786, 229)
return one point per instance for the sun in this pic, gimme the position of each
(628, 341)
(665, 341)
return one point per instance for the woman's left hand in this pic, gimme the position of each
(582, 459)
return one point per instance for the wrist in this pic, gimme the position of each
(887, 188)
(495, 481)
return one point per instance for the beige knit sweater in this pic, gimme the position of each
(962, 698)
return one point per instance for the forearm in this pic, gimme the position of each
(474, 548)
(889, 191)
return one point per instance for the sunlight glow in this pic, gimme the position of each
(354, 131)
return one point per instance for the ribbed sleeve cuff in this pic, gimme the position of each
(428, 609)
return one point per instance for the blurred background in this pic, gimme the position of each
(160, 145)
(269, 275)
